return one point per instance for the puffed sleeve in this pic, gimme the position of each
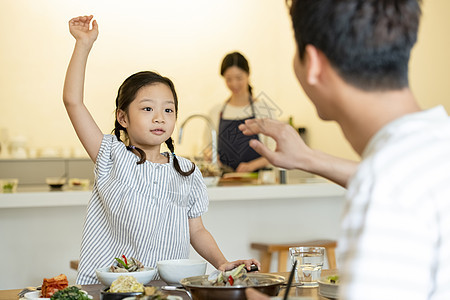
(198, 197)
(104, 159)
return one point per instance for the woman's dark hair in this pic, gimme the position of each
(368, 42)
(127, 93)
(235, 59)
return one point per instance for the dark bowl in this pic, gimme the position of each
(105, 295)
(269, 284)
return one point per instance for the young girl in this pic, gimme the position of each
(145, 204)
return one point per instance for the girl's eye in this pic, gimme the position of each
(148, 108)
(169, 110)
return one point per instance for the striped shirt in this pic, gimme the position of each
(396, 225)
(139, 211)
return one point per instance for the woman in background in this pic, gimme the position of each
(233, 146)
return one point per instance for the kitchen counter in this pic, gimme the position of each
(40, 230)
(41, 196)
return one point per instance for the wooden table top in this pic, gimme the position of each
(94, 289)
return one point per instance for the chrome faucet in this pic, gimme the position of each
(213, 134)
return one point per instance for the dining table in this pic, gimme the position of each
(309, 293)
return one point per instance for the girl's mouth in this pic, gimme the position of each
(158, 131)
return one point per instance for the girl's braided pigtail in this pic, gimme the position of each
(176, 165)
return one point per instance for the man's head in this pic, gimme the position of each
(368, 42)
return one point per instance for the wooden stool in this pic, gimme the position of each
(283, 251)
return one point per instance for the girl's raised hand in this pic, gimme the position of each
(81, 30)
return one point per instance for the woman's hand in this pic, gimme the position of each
(245, 167)
(79, 27)
(231, 265)
(253, 294)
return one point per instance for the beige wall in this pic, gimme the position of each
(186, 41)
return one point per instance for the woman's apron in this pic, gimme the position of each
(233, 145)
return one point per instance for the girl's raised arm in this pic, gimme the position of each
(87, 130)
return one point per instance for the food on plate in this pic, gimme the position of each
(77, 183)
(70, 293)
(126, 265)
(52, 285)
(236, 277)
(333, 279)
(125, 284)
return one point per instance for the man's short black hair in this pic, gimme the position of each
(368, 42)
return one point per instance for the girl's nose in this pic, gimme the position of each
(158, 118)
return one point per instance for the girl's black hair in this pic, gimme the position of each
(127, 93)
(236, 59)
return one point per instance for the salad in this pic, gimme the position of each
(236, 277)
(123, 264)
(70, 293)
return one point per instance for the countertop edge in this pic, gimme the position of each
(228, 193)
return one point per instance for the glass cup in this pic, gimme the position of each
(309, 264)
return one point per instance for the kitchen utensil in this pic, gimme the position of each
(291, 276)
(175, 288)
(27, 290)
(269, 284)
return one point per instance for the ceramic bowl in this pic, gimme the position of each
(55, 183)
(327, 289)
(211, 180)
(172, 271)
(106, 277)
(105, 295)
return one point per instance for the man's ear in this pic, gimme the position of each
(122, 118)
(314, 64)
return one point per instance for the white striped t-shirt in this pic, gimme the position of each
(396, 225)
(139, 211)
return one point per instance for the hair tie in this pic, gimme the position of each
(174, 155)
(131, 147)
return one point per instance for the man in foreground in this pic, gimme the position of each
(352, 62)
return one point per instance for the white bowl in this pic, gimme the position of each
(106, 277)
(211, 180)
(172, 271)
(327, 289)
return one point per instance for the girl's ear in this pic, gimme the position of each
(121, 117)
(314, 64)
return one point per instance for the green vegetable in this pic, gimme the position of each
(237, 270)
(70, 293)
(8, 187)
(333, 279)
(121, 262)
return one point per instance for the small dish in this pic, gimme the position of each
(105, 295)
(79, 184)
(37, 295)
(8, 185)
(328, 289)
(55, 183)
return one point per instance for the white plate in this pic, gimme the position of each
(37, 295)
(170, 297)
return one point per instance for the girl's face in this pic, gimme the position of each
(236, 80)
(150, 120)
